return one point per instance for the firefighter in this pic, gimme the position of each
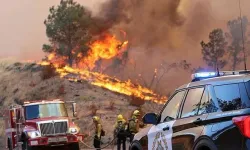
(98, 130)
(134, 125)
(120, 132)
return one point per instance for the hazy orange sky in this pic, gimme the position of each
(22, 31)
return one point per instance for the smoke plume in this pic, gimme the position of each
(165, 31)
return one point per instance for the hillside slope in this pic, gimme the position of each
(23, 81)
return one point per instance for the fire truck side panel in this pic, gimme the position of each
(10, 128)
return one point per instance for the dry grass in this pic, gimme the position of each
(93, 109)
(61, 90)
(48, 72)
(2, 131)
(90, 100)
(6, 62)
(111, 104)
(135, 101)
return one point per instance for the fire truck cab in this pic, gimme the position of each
(41, 125)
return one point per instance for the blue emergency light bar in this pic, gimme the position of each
(205, 75)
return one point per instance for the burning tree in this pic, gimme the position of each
(214, 50)
(67, 30)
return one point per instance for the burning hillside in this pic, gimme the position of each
(103, 49)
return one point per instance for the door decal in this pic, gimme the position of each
(158, 139)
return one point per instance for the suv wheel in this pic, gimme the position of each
(74, 146)
(135, 146)
(205, 144)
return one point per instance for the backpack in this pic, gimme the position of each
(131, 125)
(103, 133)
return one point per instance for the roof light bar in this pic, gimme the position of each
(204, 75)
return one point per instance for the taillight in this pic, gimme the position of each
(243, 123)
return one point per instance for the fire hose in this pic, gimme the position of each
(111, 142)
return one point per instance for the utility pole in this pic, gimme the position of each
(243, 42)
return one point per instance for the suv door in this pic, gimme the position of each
(188, 127)
(160, 135)
(232, 101)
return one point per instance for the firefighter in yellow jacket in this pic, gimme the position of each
(98, 130)
(120, 132)
(134, 124)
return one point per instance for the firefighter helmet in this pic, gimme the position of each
(120, 117)
(96, 118)
(136, 113)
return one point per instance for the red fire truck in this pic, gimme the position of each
(41, 125)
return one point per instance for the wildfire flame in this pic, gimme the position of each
(106, 48)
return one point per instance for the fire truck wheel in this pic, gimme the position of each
(9, 144)
(25, 146)
(74, 146)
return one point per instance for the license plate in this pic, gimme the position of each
(33, 142)
(57, 139)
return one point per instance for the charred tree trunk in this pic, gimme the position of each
(70, 57)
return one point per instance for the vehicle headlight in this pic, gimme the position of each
(33, 134)
(74, 130)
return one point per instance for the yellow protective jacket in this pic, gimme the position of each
(98, 129)
(124, 124)
(134, 125)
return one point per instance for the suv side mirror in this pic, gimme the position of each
(150, 118)
(74, 109)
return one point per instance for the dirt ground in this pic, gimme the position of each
(20, 82)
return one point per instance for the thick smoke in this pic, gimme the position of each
(165, 31)
(157, 31)
(164, 25)
(147, 23)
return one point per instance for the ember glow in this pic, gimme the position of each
(107, 48)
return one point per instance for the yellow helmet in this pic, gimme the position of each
(120, 118)
(96, 118)
(136, 113)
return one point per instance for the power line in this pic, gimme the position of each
(243, 40)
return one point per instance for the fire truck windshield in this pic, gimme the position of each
(45, 110)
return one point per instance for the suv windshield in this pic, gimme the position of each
(45, 110)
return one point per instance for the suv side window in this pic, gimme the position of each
(228, 97)
(206, 105)
(192, 102)
(170, 111)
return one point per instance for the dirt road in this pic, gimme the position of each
(115, 148)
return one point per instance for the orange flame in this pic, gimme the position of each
(111, 83)
(106, 48)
